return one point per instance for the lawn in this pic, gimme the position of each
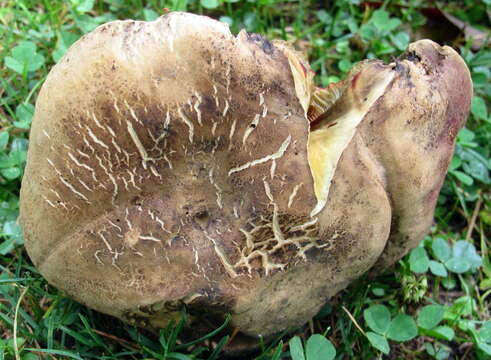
(433, 304)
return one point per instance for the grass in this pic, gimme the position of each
(435, 305)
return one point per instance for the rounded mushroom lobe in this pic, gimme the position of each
(217, 177)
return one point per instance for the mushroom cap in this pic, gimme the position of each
(171, 163)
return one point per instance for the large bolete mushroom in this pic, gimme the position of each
(172, 163)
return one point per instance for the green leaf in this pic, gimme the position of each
(378, 291)
(179, 5)
(383, 47)
(465, 135)
(379, 342)
(7, 246)
(402, 328)
(65, 40)
(477, 169)
(20, 342)
(467, 325)
(227, 20)
(486, 348)
(367, 31)
(449, 282)
(342, 46)
(466, 250)
(441, 249)
(429, 348)
(251, 21)
(178, 356)
(377, 318)
(458, 265)
(463, 177)
(443, 333)
(24, 57)
(24, 113)
(11, 173)
(84, 5)
(296, 348)
(461, 307)
(393, 24)
(418, 260)
(12, 229)
(430, 316)
(332, 79)
(324, 16)
(30, 356)
(352, 25)
(468, 154)
(4, 139)
(438, 352)
(383, 22)
(485, 332)
(16, 158)
(438, 269)
(380, 19)
(478, 108)
(455, 163)
(65, 353)
(19, 145)
(345, 65)
(278, 352)
(88, 23)
(480, 79)
(209, 4)
(319, 348)
(485, 284)
(149, 15)
(400, 40)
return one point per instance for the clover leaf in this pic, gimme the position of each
(24, 58)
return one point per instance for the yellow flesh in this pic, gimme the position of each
(326, 145)
(303, 79)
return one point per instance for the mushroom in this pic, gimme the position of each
(172, 164)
